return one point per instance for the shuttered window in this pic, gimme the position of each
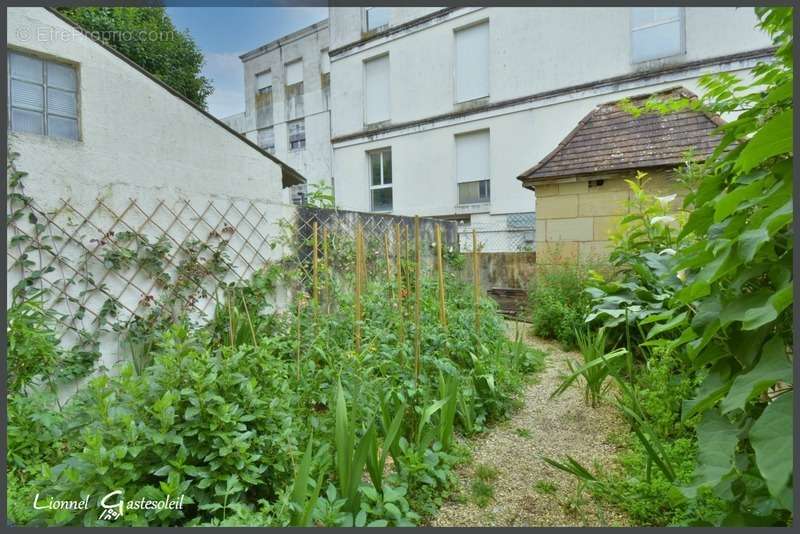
(472, 62)
(472, 167)
(377, 104)
(264, 81)
(294, 72)
(43, 96)
(656, 32)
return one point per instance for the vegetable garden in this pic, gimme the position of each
(340, 410)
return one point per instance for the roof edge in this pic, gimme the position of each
(286, 39)
(526, 176)
(289, 176)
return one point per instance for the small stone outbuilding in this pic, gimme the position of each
(580, 186)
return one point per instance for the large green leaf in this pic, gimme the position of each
(773, 139)
(772, 367)
(771, 438)
(716, 444)
(710, 391)
(758, 308)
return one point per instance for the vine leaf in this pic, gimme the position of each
(772, 367)
(771, 438)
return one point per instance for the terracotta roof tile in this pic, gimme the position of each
(610, 139)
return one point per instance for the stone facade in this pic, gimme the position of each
(576, 217)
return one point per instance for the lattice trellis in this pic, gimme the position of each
(116, 259)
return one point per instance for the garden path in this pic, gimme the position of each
(527, 491)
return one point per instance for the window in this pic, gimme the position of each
(266, 139)
(43, 96)
(294, 90)
(377, 18)
(472, 167)
(264, 99)
(656, 32)
(376, 105)
(297, 135)
(472, 62)
(380, 176)
(294, 72)
(264, 82)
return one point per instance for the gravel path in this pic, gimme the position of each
(527, 491)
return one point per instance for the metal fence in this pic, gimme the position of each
(515, 234)
(379, 232)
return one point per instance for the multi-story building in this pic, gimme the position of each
(287, 103)
(436, 111)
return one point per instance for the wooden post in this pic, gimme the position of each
(440, 269)
(418, 297)
(398, 268)
(476, 281)
(326, 266)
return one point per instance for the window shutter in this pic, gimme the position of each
(377, 105)
(656, 32)
(263, 80)
(472, 62)
(472, 156)
(324, 62)
(294, 72)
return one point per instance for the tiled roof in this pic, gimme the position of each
(610, 138)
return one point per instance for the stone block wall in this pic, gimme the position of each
(575, 219)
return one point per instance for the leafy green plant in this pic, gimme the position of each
(557, 303)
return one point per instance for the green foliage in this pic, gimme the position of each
(705, 306)
(557, 302)
(33, 351)
(224, 412)
(147, 36)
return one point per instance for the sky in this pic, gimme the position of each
(224, 33)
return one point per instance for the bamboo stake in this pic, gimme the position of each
(418, 296)
(398, 269)
(388, 264)
(230, 318)
(315, 268)
(299, 312)
(249, 320)
(357, 303)
(326, 265)
(477, 281)
(440, 268)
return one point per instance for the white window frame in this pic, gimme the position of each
(45, 111)
(488, 60)
(382, 185)
(681, 24)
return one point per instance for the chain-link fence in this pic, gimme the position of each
(514, 234)
(380, 231)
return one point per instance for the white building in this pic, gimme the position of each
(436, 111)
(86, 120)
(108, 149)
(287, 111)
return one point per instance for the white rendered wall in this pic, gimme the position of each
(138, 142)
(532, 50)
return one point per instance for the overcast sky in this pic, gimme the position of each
(223, 33)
